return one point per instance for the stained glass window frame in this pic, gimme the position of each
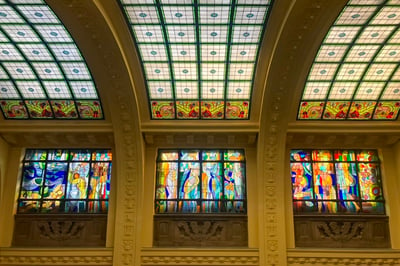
(93, 201)
(332, 90)
(311, 205)
(203, 97)
(225, 205)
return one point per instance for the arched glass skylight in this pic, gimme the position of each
(42, 72)
(198, 56)
(356, 75)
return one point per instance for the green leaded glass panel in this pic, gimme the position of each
(200, 181)
(355, 73)
(198, 57)
(42, 72)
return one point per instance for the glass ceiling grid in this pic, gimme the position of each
(354, 74)
(198, 57)
(43, 75)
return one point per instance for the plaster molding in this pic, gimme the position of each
(199, 261)
(328, 261)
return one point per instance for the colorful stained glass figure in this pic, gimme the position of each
(198, 50)
(43, 72)
(212, 110)
(61, 180)
(78, 177)
(56, 177)
(14, 109)
(347, 183)
(32, 180)
(325, 187)
(302, 187)
(200, 181)
(162, 110)
(311, 110)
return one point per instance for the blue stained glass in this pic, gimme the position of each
(51, 206)
(234, 183)
(189, 155)
(75, 206)
(58, 155)
(211, 180)
(54, 186)
(235, 206)
(324, 186)
(32, 180)
(166, 187)
(189, 174)
(233, 155)
(77, 181)
(81, 155)
(211, 155)
(347, 185)
(302, 181)
(35, 155)
(26, 206)
(299, 155)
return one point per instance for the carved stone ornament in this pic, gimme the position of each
(340, 231)
(200, 231)
(60, 230)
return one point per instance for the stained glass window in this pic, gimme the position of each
(42, 72)
(336, 181)
(198, 57)
(355, 74)
(65, 181)
(200, 181)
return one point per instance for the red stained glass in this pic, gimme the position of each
(212, 110)
(187, 110)
(361, 110)
(14, 109)
(39, 109)
(64, 109)
(311, 110)
(387, 111)
(237, 110)
(162, 110)
(336, 110)
(89, 109)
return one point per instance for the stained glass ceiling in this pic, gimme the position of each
(356, 75)
(198, 57)
(42, 72)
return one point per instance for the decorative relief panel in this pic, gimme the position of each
(60, 230)
(200, 230)
(342, 232)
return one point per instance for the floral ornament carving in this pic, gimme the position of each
(340, 231)
(60, 230)
(200, 231)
